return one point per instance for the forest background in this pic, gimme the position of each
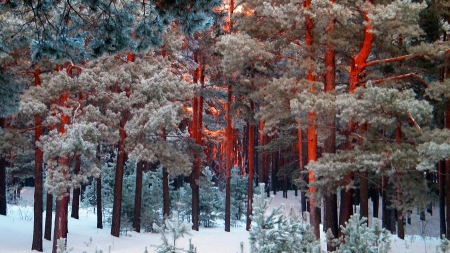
(340, 100)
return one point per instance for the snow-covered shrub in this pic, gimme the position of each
(277, 232)
(173, 230)
(358, 237)
(443, 246)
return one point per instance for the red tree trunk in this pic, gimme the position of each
(331, 214)
(229, 132)
(38, 179)
(62, 202)
(251, 168)
(312, 129)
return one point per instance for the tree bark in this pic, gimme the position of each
(76, 191)
(62, 202)
(61, 220)
(2, 178)
(118, 185)
(138, 198)
(251, 168)
(166, 197)
(196, 134)
(400, 223)
(48, 217)
(228, 163)
(331, 215)
(38, 192)
(99, 203)
(447, 195)
(2, 186)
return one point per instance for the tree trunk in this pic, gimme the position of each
(447, 195)
(376, 203)
(301, 166)
(251, 169)
(2, 178)
(38, 191)
(331, 215)
(346, 208)
(61, 219)
(48, 217)
(196, 135)
(2, 186)
(99, 203)
(138, 198)
(400, 223)
(76, 191)
(228, 163)
(118, 185)
(166, 197)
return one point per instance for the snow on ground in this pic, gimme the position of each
(16, 234)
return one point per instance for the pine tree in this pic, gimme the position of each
(358, 237)
(175, 228)
(275, 231)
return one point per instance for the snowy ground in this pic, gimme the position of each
(16, 234)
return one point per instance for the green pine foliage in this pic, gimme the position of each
(357, 237)
(80, 29)
(211, 199)
(275, 232)
(172, 230)
(239, 190)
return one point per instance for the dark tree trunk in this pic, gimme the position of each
(400, 223)
(251, 168)
(2, 178)
(195, 198)
(118, 182)
(364, 194)
(48, 217)
(346, 208)
(166, 197)
(76, 191)
(441, 177)
(138, 198)
(38, 193)
(447, 194)
(99, 203)
(2, 186)
(375, 202)
(261, 156)
(118, 187)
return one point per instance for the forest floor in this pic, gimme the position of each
(17, 227)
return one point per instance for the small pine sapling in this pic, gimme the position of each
(443, 246)
(176, 229)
